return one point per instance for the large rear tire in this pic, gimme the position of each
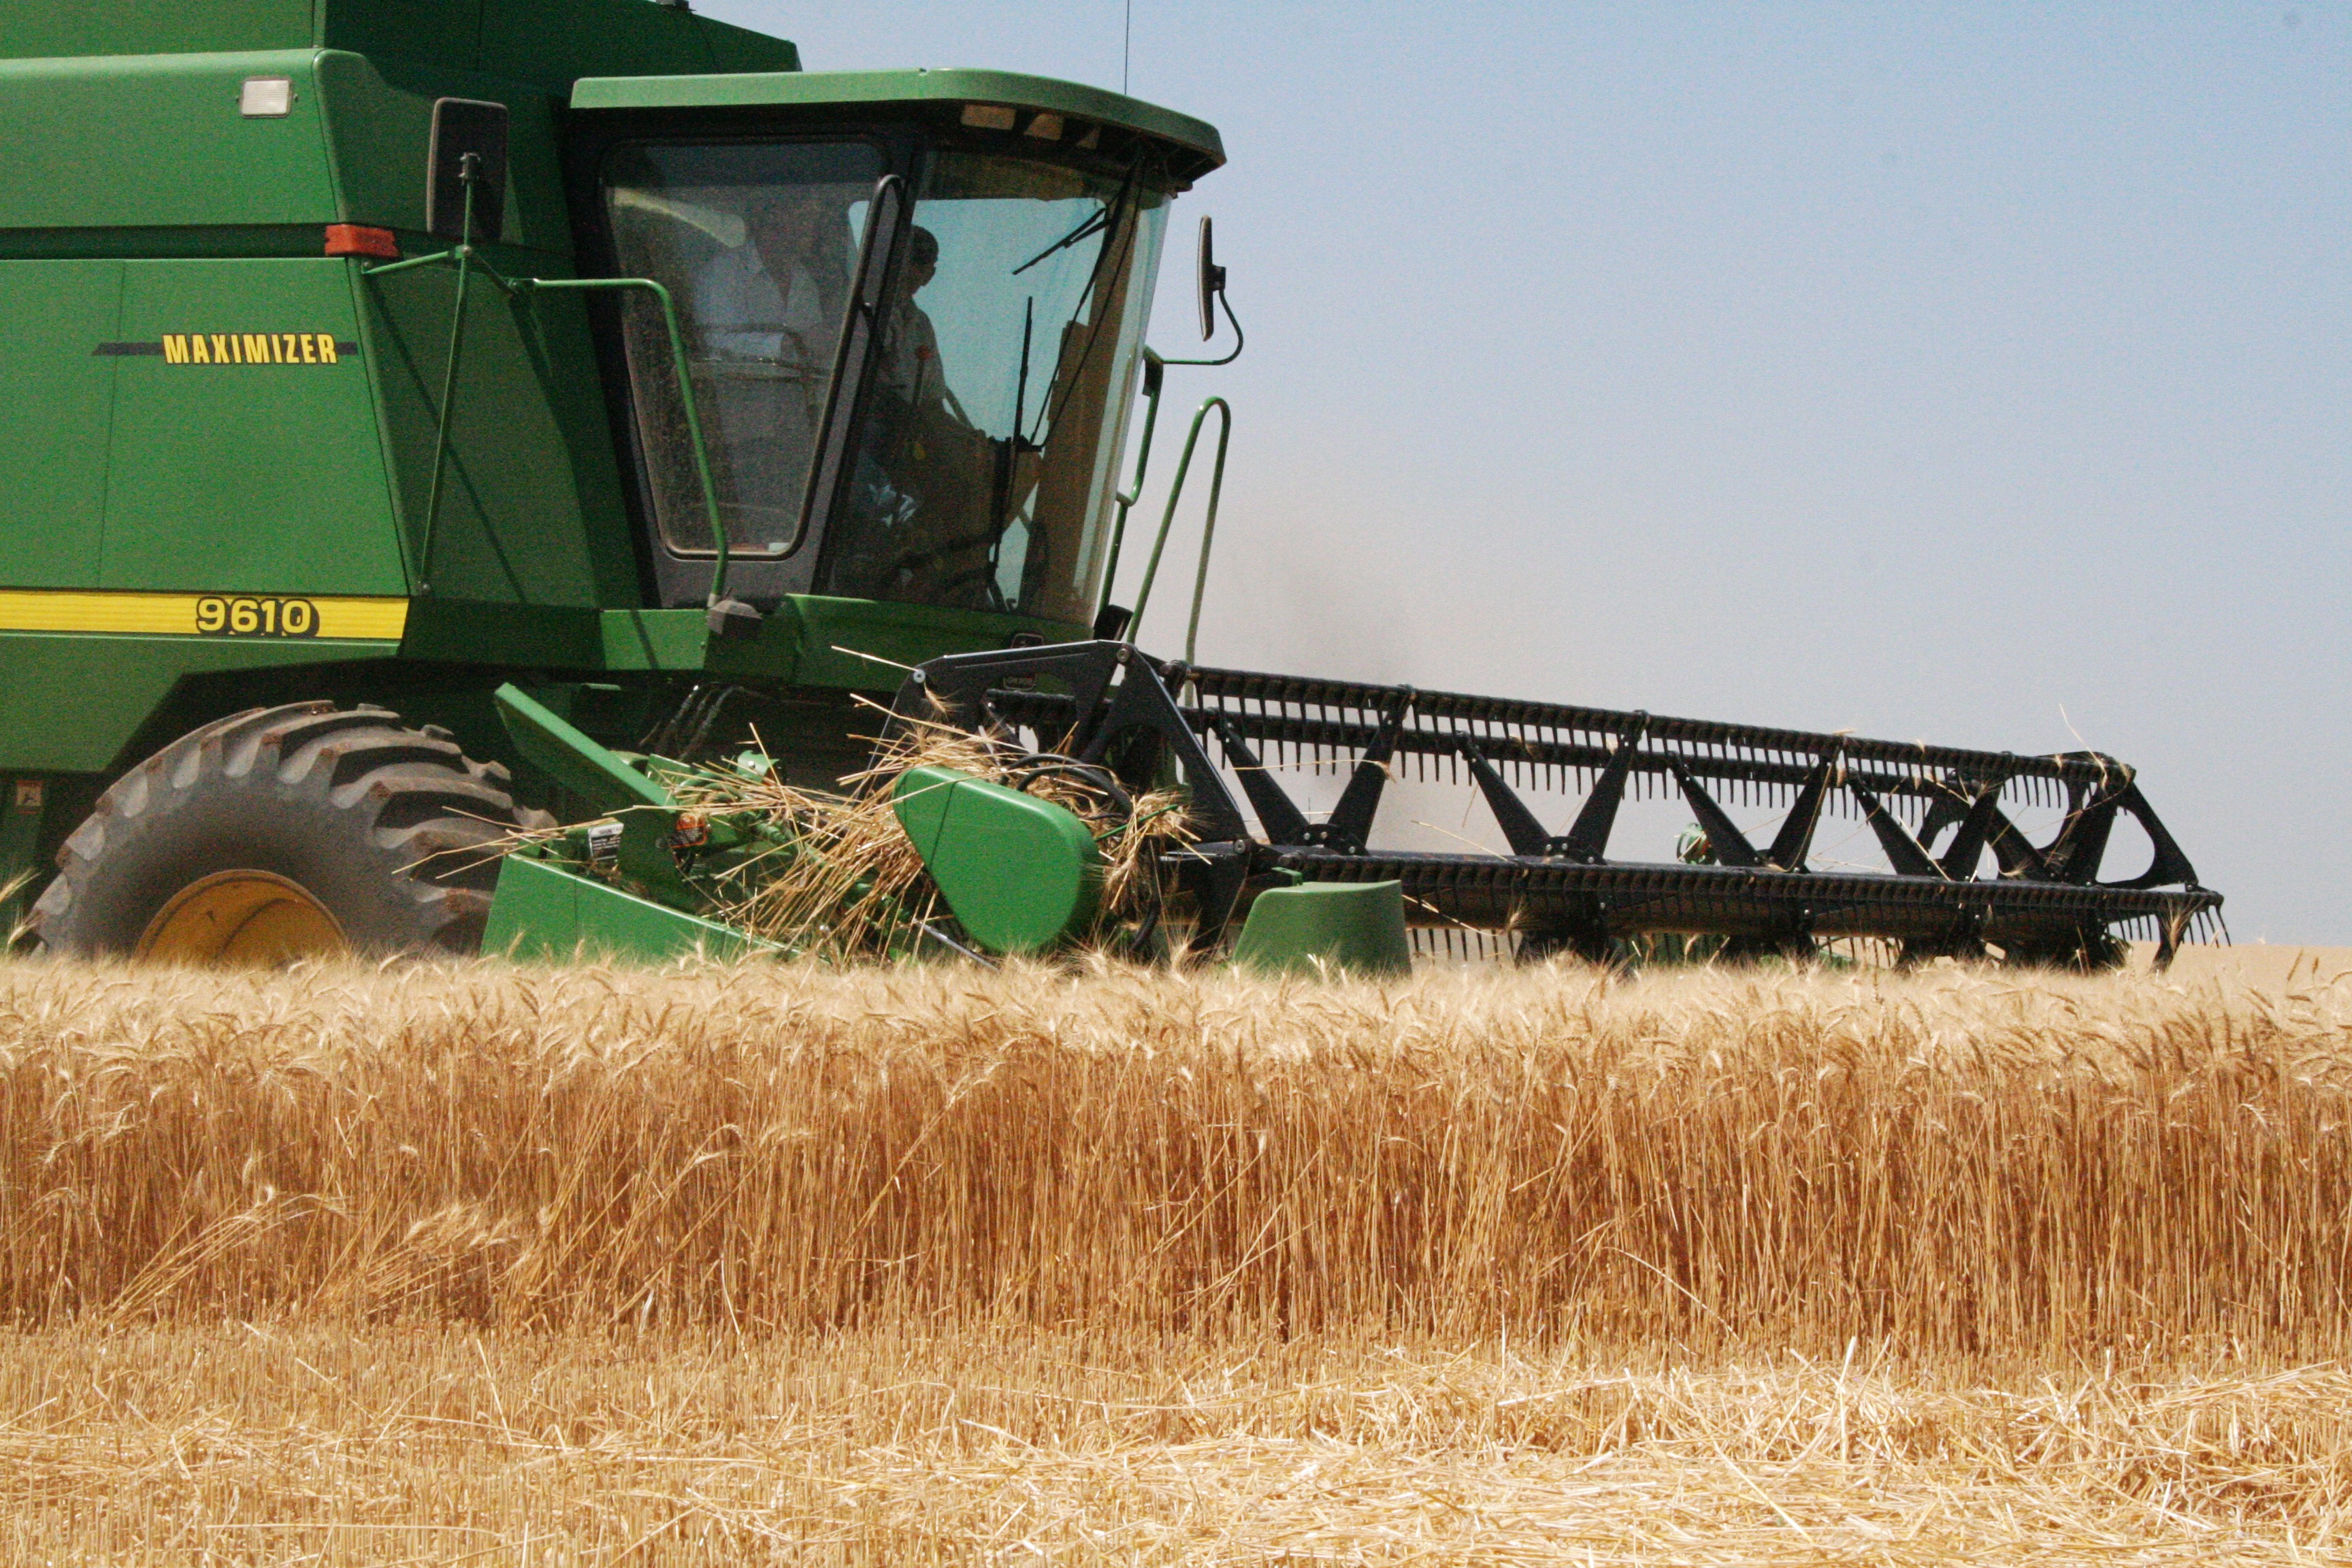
(283, 833)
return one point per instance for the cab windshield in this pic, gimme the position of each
(983, 465)
(981, 469)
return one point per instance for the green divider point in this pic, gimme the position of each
(574, 762)
(1020, 874)
(1357, 927)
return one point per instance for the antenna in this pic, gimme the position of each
(1126, 44)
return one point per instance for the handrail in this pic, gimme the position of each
(462, 257)
(1155, 366)
(1208, 526)
(685, 396)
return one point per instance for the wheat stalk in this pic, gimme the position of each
(1941, 1163)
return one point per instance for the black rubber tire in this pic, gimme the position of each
(381, 824)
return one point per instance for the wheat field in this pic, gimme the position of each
(782, 1263)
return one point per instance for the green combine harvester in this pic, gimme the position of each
(442, 437)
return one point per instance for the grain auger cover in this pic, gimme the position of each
(1962, 877)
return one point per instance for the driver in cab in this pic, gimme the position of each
(776, 297)
(769, 311)
(923, 497)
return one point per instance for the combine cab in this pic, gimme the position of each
(422, 412)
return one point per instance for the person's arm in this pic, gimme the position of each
(931, 372)
(806, 344)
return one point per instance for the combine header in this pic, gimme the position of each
(1935, 812)
(449, 439)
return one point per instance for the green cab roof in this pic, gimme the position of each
(844, 90)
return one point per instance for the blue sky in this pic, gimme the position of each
(1971, 372)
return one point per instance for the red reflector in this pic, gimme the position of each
(354, 239)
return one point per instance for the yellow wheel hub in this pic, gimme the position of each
(241, 918)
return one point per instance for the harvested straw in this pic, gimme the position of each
(843, 883)
(283, 1442)
(853, 886)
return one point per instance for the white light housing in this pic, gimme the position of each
(267, 98)
(988, 116)
(1045, 127)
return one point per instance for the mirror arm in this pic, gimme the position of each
(1238, 338)
(438, 259)
(458, 255)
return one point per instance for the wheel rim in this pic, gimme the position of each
(241, 918)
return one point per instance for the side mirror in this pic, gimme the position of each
(1208, 290)
(1211, 282)
(468, 148)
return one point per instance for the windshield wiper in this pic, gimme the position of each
(1094, 224)
(1020, 386)
(1009, 450)
(1101, 218)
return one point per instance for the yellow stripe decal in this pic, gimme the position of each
(235, 617)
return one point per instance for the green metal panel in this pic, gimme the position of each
(257, 477)
(605, 36)
(53, 432)
(655, 639)
(1022, 873)
(556, 42)
(541, 912)
(557, 636)
(531, 509)
(547, 43)
(157, 142)
(850, 89)
(70, 703)
(445, 32)
(609, 786)
(806, 640)
(1357, 927)
(734, 48)
(468, 631)
(379, 120)
(817, 641)
(28, 28)
(550, 744)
